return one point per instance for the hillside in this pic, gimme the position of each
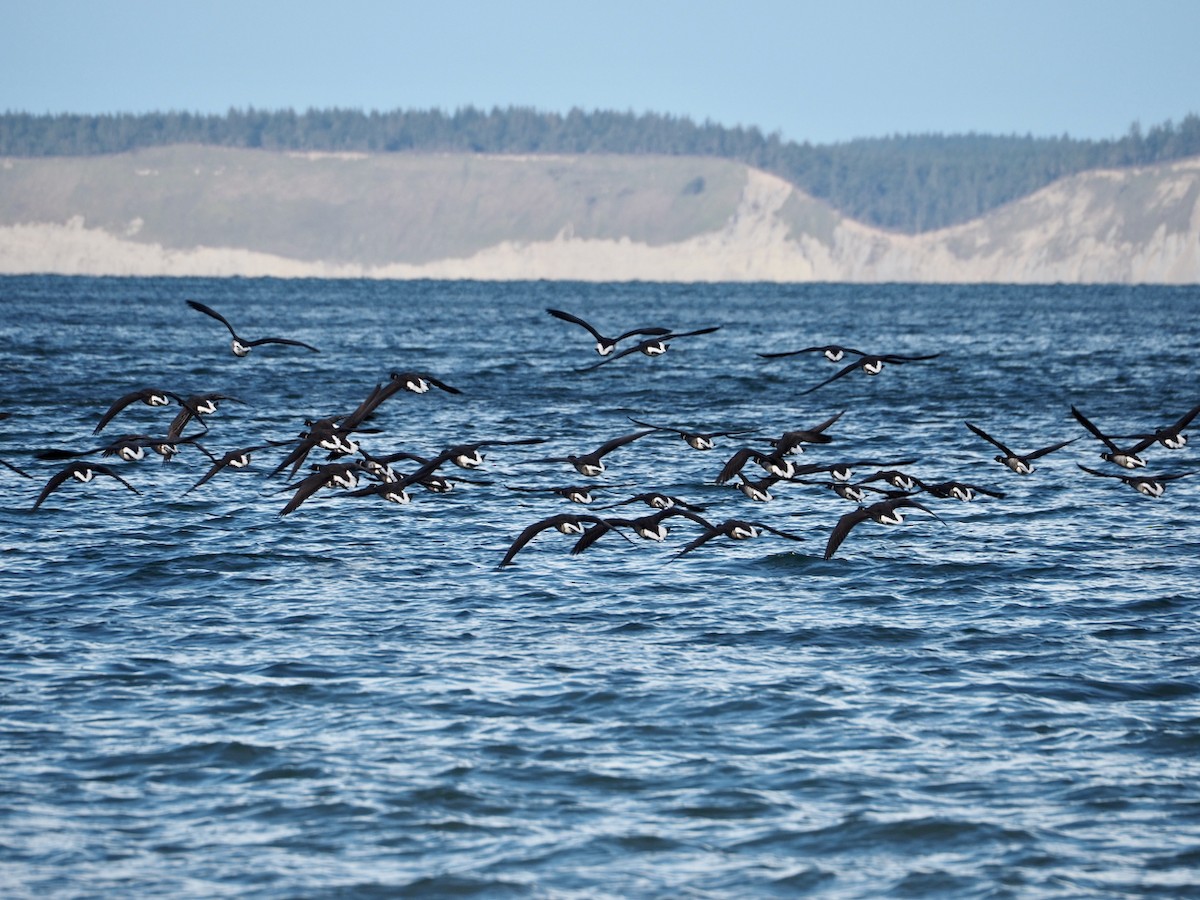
(221, 211)
(908, 183)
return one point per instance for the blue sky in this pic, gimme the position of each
(813, 71)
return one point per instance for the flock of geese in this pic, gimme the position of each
(884, 496)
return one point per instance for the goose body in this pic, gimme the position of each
(758, 491)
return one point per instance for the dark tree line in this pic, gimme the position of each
(904, 182)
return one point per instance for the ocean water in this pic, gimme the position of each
(200, 697)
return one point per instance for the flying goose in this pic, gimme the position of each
(82, 472)
(1022, 464)
(564, 523)
(1149, 485)
(241, 346)
(651, 347)
(592, 464)
(871, 364)
(605, 345)
(1127, 458)
(736, 530)
(885, 512)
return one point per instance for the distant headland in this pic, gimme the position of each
(411, 195)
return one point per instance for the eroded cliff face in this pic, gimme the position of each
(605, 219)
(1140, 225)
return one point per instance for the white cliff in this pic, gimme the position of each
(592, 219)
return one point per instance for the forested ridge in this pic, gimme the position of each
(908, 183)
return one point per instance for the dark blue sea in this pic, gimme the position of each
(200, 697)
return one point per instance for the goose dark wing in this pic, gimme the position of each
(845, 370)
(818, 429)
(56, 454)
(1096, 432)
(363, 411)
(402, 379)
(789, 440)
(597, 531)
(843, 527)
(715, 531)
(507, 442)
(914, 504)
(652, 332)
(1174, 475)
(532, 531)
(105, 470)
(991, 440)
(130, 398)
(828, 348)
(213, 470)
(568, 317)
(441, 385)
(737, 462)
(678, 334)
(1171, 431)
(225, 460)
(609, 446)
(304, 446)
(895, 358)
(777, 532)
(1097, 472)
(189, 408)
(655, 427)
(1185, 419)
(53, 484)
(209, 311)
(615, 356)
(782, 354)
(1180, 425)
(117, 406)
(305, 489)
(737, 432)
(13, 468)
(1037, 454)
(278, 340)
(685, 511)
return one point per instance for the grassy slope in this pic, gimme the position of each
(371, 210)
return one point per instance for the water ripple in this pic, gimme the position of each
(199, 697)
